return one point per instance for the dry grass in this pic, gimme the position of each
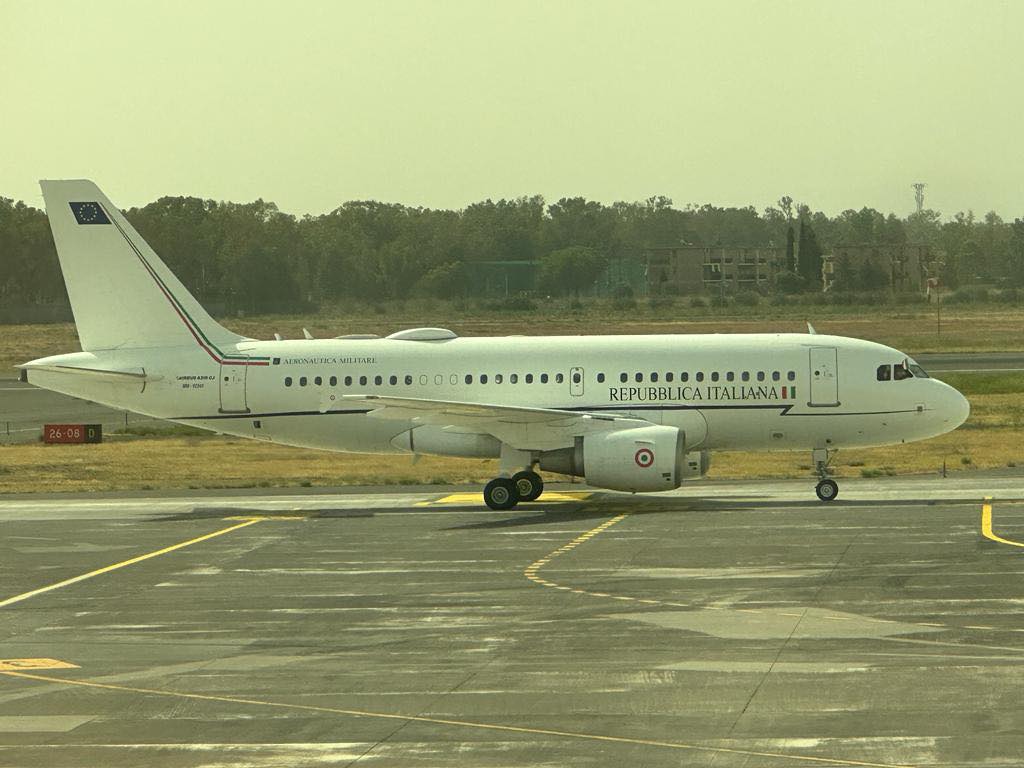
(965, 329)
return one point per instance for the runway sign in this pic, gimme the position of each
(72, 433)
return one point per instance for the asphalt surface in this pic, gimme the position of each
(24, 408)
(727, 624)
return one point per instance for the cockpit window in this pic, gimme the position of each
(901, 372)
(918, 371)
(884, 373)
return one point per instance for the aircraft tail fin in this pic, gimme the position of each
(122, 295)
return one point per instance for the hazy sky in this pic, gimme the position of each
(838, 104)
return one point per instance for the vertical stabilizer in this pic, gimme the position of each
(122, 295)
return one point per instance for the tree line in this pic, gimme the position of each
(252, 257)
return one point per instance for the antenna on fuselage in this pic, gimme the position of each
(277, 337)
(810, 329)
(307, 334)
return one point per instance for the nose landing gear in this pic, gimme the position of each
(827, 488)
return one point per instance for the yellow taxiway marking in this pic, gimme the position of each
(549, 497)
(16, 665)
(986, 525)
(124, 563)
(526, 730)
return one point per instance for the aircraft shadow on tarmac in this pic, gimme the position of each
(221, 513)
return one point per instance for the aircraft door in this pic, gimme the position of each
(824, 372)
(232, 389)
(576, 382)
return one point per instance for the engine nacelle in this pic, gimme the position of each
(637, 459)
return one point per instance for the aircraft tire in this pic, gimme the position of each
(827, 489)
(500, 494)
(529, 485)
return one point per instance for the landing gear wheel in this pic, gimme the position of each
(827, 489)
(500, 493)
(529, 486)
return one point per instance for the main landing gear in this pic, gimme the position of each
(516, 484)
(827, 488)
(504, 493)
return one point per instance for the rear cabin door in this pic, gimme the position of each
(576, 382)
(232, 388)
(824, 372)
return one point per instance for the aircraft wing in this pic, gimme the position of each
(523, 428)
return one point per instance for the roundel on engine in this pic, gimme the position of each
(644, 458)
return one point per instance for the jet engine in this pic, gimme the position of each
(637, 459)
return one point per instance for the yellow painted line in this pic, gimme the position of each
(260, 518)
(123, 564)
(16, 665)
(520, 729)
(548, 497)
(986, 525)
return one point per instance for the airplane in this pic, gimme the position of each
(628, 413)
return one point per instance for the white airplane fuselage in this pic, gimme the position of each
(727, 392)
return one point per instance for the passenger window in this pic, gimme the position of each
(287, 381)
(791, 375)
(699, 376)
(544, 378)
(453, 379)
(423, 379)
(362, 381)
(776, 376)
(483, 378)
(745, 376)
(714, 375)
(884, 373)
(669, 376)
(684, 376)
(469, 378)
(600, 378)
(498, 378)
(378, 380)
(318, 381)
(348, 381)
(730, 376)
(576, 378)
(623, 377)
(513, 378)
(639, 377)
(408, 379)
(529, 378)
(900, 373)
(654, 378)
(760, 375)
(393, 380)
(302, 381)
(560, 378)
(334, 381)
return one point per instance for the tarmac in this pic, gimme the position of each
(724, 624)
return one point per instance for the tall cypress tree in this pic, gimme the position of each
(790, 252)
(809, 256)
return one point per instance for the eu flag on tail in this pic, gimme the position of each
(89, 213)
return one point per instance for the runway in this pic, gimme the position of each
(25, 408)
(724, 624)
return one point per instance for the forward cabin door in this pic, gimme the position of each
(232, 388)
(576, 382)
(824, 373)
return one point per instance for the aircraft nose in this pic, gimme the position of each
(956, 408)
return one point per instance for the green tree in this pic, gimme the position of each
(872, 277)
(570, 270)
